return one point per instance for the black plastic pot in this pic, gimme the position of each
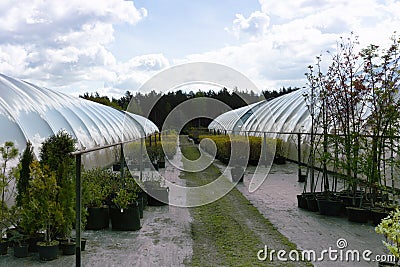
(161, 164)
(117, 167)
(237, 174)
(3, 247)
(97, 219)
(359, 215)
(83, 243)
(279, 160)
(302, 202)
(125, 219)
(141, 206)
(157, 196)
(32, 242)
(68, 248)
(143, 195)
(329, 207)
(21, 251)
(47, 252)
(302, 178)
(378, 215)
(155, 165)
(312, 204)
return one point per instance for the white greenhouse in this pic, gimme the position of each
(32, 113)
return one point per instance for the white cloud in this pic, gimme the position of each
(62, 42)
(299, 30)
(66, 44)
(255, 25)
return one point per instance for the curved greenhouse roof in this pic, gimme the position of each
(233, 120)
(29, 112)
(287, 113)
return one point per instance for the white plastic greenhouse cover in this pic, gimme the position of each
(29, 112)
(233, 120)
(287, 113)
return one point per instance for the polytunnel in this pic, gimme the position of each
(284, 114)
(232, 121)
(32, 113)
(282, 117)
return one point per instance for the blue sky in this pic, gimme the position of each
(111, 46)
(180, 27)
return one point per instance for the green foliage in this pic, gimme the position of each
(159, 149)
(97, 186)
(56, 154)
(24, 173)
(390, 228)
(7, 152)
(124, 198)
(355, 85)
(225, 142)
(41, 211)
(17, 237)
(156, 106)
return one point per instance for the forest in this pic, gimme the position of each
(143, 104)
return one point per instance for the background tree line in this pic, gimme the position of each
(143, 104)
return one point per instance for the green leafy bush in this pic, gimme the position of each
(390, 228)
(224, 143)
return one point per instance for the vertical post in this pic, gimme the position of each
(122, 163)
(141, 160)
(155, 139)
(225, 132)
(299, 157)
(150, 139)
(159, 136)
(265, 148)
(78, 202)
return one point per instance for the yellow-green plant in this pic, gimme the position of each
(124, 198)
(96, 186)
(42, 211)
(390, 228)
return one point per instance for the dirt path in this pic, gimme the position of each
(230, 231)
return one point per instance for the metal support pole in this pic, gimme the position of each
(265, 148)
(159, 137)
(122, 163)
(78, 202)
(150, 139)
(141, 160)
(155, 139)
(299, 157)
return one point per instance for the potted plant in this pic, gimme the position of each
(42, 211)
(125, 214)
(280, 152)
(96, 188)
(156, 194)
(158, 155)
(390, 228)
(132, 186)
(7, 152)
(20, 244)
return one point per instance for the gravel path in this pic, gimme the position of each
(276, 200)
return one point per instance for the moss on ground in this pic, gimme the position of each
(230, 231)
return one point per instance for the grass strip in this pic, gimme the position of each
(230, 231)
